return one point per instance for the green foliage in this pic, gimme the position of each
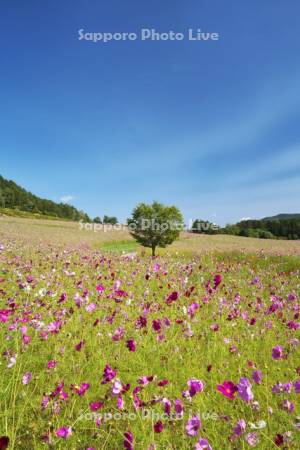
(110, 220)
(205, 227)
(284, 228)
(97, 220)
(155, 225)
(12, 196)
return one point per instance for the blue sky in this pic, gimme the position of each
(212, 127)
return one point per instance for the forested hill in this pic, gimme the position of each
(13, 196)
(283, 217)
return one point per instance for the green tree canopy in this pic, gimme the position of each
(155, 225)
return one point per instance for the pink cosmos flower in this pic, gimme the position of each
(193, 425)
(257, 376)
(192, 309)
(277, 352)
(26, 377)
(98, 422)
(54, 327)
(118, 334)
(144, 380)
(228, 389)
(51, 364)
(45, 401)
(4, 315)
(202, 444)
(90, 308)
(100, 288)
(64, 432)
(244, 389)
(26, 339)
(120, 402)
(239, 428)
(252, 439)
(195, 386)
(94, 406)
(288, 406)
(12, 361)
(83, 388)
(117, 387)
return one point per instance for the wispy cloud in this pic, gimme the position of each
(66, 198)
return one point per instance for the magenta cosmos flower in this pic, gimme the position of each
(51, 364)
(82, 389)
(217, 280)
(245, 390)
(277, 352)
(193, 425)
(172, 297)
(128, 440)
(64, 432)
(94, 406)
(99, 288)
(108, 374)
(131, 345)
(4, 442)
(158, 427)
(228, 389)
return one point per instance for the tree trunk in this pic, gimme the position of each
(153, 250)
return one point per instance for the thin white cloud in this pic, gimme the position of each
(66, 198)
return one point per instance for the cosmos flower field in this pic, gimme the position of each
(103, 350)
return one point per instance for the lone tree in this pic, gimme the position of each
(155, 225)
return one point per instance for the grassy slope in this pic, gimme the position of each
(70, 233)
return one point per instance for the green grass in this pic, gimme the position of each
(69, 261)
(126, 246)
(15, 212)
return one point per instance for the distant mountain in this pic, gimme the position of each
(283, 217)
(13, 196)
